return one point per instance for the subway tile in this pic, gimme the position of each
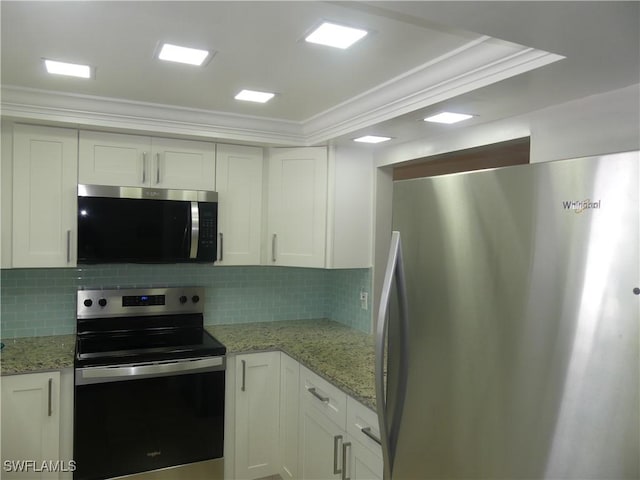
(233, 294)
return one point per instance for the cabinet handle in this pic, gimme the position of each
(367, 432)
(273, 247)
(313, 392)
(144, 167)
(344, 460)
(157, 168)
(336, 439)
(68, 246)
(221, 246)
(244, 375)
(49, 407)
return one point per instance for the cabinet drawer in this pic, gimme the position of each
(320, 394)
(362, 425)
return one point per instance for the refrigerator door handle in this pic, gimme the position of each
(390, 426)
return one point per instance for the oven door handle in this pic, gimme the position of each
(118, 373)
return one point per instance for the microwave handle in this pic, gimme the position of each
(195, 230)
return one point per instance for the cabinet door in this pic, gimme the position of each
(362, 425)
(30, 423)
(239, 187)
(114, 159)
(320, 445)
(257, 414)
(44, 196)
(361, 463)
(297, 206)
(183, 164)
(289, 412)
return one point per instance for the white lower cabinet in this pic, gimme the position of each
(257, 404)
(289, 411)
(339, 437)
(31, 426)
(363, 456)
(288, 420)
(320, 445)
(361, 463)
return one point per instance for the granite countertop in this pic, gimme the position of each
(340, 354)
(37, 354)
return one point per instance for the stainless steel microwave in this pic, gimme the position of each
(146, 225)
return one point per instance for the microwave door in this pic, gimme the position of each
(132, 230)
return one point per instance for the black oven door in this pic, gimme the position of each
(132, 419)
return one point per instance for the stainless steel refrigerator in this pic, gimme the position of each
(510, 348)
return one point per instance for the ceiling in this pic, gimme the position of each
(491, 59)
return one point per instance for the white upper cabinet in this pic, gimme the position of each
(139, 161)
(297, 208)
(350, 208)
(112, 159)
(44, 196)
(183, 164)
(239, 174)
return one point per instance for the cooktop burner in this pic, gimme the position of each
(142, 325)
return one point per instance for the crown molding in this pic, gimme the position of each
(476, 64)
(118, 114)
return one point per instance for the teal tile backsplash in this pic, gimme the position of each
(38, 302)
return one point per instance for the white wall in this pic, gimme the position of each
(605, 123)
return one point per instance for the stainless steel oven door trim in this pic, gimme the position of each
(136, 371)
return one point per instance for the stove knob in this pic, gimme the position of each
(102, 302)
(88, 302)
(195, 299)
(183, 299)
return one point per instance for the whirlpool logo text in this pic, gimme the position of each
(579, 206)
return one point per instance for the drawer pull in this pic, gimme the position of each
(144, 167)
(367, 432)
(345, 445)
(49, 403)
(274, 259)
(68, 246)
(157, 168)
(322, 398)
(336, 439)
(244, 375)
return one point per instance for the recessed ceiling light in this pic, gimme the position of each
(254, 96)
(371, 139)
(334, 35)
(190, 56)
(448, 117)
(69, 69)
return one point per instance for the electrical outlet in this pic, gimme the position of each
(364, 300)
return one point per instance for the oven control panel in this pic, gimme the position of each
(147, 301)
